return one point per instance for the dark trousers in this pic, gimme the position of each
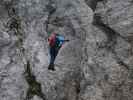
(53, 53)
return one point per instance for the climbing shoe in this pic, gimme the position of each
(51, 67)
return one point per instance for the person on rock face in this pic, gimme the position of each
(55, 43)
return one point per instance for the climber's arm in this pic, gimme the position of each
(66, 40)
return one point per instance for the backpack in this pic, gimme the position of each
(59, 40)
(56, 40)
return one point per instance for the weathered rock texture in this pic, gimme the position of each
(97, 64)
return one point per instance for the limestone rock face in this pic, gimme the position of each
(96, 64)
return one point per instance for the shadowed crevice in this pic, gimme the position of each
(111, 38)
(14, 24)
(93, 3)
(51, 9)
(34, 86)
(109, 32)
(120, 61)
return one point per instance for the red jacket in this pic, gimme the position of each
(52, 39)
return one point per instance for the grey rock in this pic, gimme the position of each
(96, 64)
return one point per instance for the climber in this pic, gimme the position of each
(55, 43)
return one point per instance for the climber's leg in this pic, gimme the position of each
(52, 54)
(56, 52)
(52, 58)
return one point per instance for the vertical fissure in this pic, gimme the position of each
(51, 10)
(14, 25)
(34, 85)
(93, 3)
